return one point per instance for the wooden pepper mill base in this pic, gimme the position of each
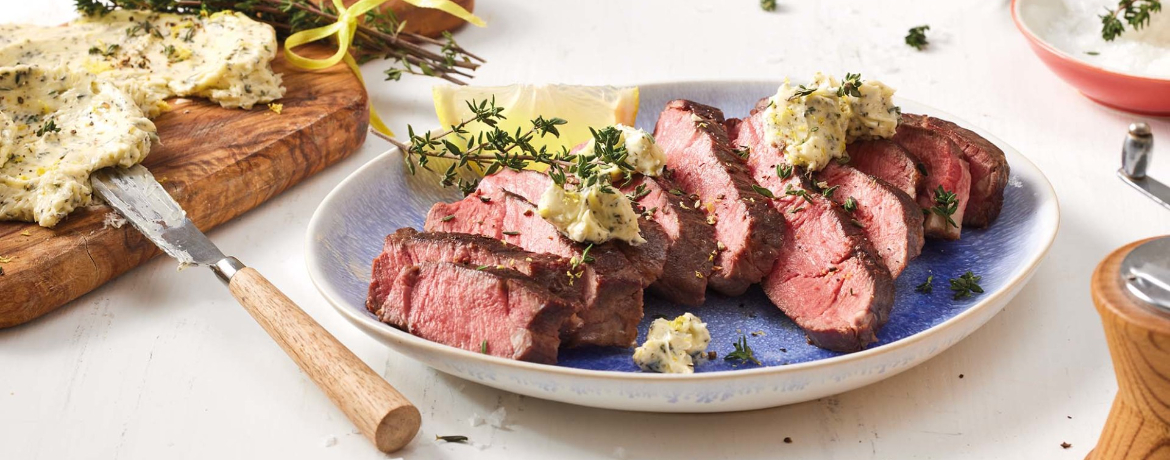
(1139, 343)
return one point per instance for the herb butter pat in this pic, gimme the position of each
(813, 123)
(593, 214)
(674, 347)
(642, 153)
(224, 57)
(57, 127)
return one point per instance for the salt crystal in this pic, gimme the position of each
(330, 441)
(498, 418)
(475, 420)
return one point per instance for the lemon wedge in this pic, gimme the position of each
(583, 107)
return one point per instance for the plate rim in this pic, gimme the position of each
(369, 324)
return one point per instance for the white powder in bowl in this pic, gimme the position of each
(1074, 27)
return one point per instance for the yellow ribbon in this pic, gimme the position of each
(346, 27)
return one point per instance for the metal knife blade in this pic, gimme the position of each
(138, 197)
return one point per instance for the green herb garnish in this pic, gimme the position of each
(790, 191)
(742, 352)
(783, 171)
(511, 233)
(462, 439)
(447, 218)
(107, 52)
(49, 127)
(585, 258)
(850, 85)
(1092, 53)
(768, 5)
(965, 285)
(927, 286)
(1135, 12)
(917, 37)
(763, 191)
(946, 204)
(828, 193)
(850, 204)
(483, 347)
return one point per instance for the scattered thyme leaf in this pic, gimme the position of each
(768, 5)
(965, 285)
(850, 204)
(460, 439)
(483, 347)
(946, 205)
(742, 352)
(916, 38)
(927, 286)
(763, 191)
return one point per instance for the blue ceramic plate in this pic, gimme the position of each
(347, 230)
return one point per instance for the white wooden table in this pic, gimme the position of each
(163, 364)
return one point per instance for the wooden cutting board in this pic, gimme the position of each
(216, 162)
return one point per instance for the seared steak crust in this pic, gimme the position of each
(988, 166)
(888, 217)
(945, 167)
(407, 247)
(888, 161)
(612, 288)
(827, 278)
(648, 258)
(701, 161)
(690, 251)
(451, 304)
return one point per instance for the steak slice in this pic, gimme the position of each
(407, 247)
(701, 161)
(888, 161)
(648, 258)
(888, 217)
(450, 303)
(827, 277)
(612, 289)
(988, 166)
(945, 167)
(690, 251)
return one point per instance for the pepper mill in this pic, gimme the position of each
(1131, 290)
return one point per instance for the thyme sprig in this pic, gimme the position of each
(946, 204)
(742, 352)
(494, 149)
(379, 35)
(1135, 12)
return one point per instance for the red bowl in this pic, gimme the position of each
(1131, 93)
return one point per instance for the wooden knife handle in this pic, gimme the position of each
(381, 413)
(1139, 343)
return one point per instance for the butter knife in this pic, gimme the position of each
(379, 411)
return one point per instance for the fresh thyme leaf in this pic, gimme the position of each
(768, 5)
(966, 284)
(107, 52)
(1092, 53)
(763, 191)
(639, 192)
(791, 191)
(585, 258)
(462, 439)
(448, 218)
(1135, 12)
(927, 286)
(49, 127)
(850, 204)
(676, 192)
(802, 91)
(483, 347)
(850, 86)
(743, 151)
(946, 204)
(511, 233)
(742, 352)
(828, 193)
(917, 37)
(783, 171)
(481, 267)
